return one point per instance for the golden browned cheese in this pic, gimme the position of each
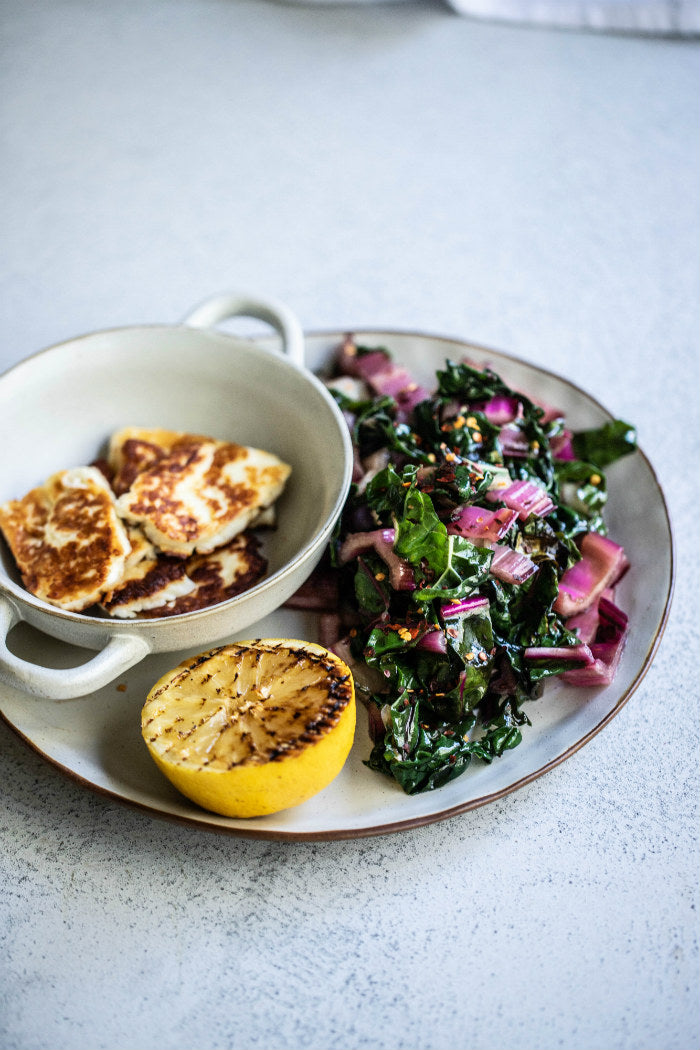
(141, 548)
(67, 539)
(159, 585)
(218, 576)
(199, 494)
(135, 449)
(148, 586)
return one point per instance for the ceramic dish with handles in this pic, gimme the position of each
(58, 409)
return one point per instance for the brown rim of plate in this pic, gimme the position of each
(214, 825)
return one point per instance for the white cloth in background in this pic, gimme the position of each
(656, 17)
(648, 17)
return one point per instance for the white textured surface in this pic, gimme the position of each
(400, 167)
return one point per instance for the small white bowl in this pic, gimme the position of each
(58, 409)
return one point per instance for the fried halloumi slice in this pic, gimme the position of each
(141, 547)
(67, 539)
(200, 493)
(215, 577)
(150, 583)
(134, 449)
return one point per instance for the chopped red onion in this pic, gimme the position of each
(360, 542)
(466, 605)
(561, 446)
(511, 566)
(399, 383)
(602, 563)
(433, 642)
(500, 410)
(585, 624)
(382, 541)
(407, 400)
(527, 497)
(363, 366)
(611, 614)
(319, 593)
(559, 652)
(607, 648)
(479, 523)
(380, 373)
(607, 656)
(513, 442)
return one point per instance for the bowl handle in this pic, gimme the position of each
(221, 307)
(121, 652)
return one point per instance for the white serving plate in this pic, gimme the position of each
(96, 739)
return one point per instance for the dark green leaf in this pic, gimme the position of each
(603, 445)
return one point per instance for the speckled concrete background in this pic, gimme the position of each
(400, 167)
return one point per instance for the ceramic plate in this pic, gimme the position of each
(97, 741)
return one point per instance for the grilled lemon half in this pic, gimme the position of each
(252, 727)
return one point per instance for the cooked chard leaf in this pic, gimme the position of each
(420, 756)
(445, 649)
(376, 427)
(372, 590)
(605, 444)
(582, 486)
(470, 384)
(386, 492)
(469, 437)
(447, 567)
